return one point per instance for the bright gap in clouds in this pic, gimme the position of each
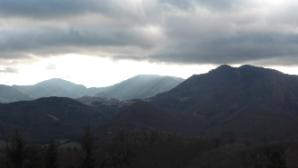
(94, 71)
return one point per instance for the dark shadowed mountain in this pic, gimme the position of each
(140, 114)
(141, 86)
(53, 87)
(47, 118)
(96, 101)
(9, 94)
(246, 101)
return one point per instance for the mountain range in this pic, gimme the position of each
(141, 86)
(244, 102)
(10, 94)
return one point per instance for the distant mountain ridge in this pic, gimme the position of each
(141, 86)
(244, 102)
(10, 94)
(53, 87)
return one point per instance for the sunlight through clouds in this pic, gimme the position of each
(94, 71)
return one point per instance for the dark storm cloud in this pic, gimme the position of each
(55, 8)
(181, 31)
(43, 38)
(59, 9)
(38, 8)
(243, 48)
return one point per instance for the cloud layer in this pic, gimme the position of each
(181, 31)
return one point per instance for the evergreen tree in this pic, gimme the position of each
(52, 155)
(87, 143)
(16, 151)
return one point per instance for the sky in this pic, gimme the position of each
(101, 42)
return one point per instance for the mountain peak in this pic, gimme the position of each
(152, 76)
(247, 66)
(253, 68)
(223, 69)
(55, 81)
(226, 69)
(250, 68)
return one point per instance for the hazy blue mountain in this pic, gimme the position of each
(10, 94)
(54, 87)
(141, 86)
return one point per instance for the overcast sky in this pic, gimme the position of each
(100, 42)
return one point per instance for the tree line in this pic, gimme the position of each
(146, 149)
